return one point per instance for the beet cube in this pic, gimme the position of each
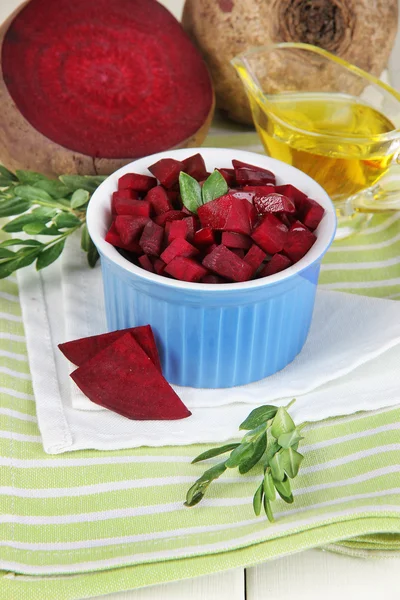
(204, 237)
(268, 188)
(123, 195)
(112, 237)
(195, 167)
(255, 257)
(151, 239)
(242, 194)
(178, 247)
(273, 203)
(210, 248)
(229, 176)
(270, 234)
(146, 263)
(159, 200)
(238, 251)
(123, 379)
(134, 181)
(159, 266)
(228, 213)
(298, 242)
(167, 171)
(136, 208)
(171, 215)
(236, 240)
(238, 164)
(290, 191)
(213, 279)
(185, 269)
(129, 228)
(311, 213)
(176, 229)
(246, 176)
(278, 263)
(173, 196)
(225, 263)
(83, 349)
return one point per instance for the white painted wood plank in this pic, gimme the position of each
(316, 574)
(220, 586)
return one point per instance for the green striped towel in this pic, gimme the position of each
(110, 521)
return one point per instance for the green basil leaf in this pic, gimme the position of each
(215, 452)
(259, 415)
(34, 228)
(291, 439)
(268, 510)
(30, 177)
(269, 488)
(291, 461)
(13, 206)
(259, 449)
(49, 255)
(6, 174)
(18, 242)
(214, 187)
(55, 188)
(282, 423)
(85, 238)
(240, 454)
(5, 253)
(190, 192)
(79, 198)
(277, 470)
(284, 489)
(92, 254)
(66, 220)
(85, 182)
(257, 500)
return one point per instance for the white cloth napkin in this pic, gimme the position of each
(351, 362)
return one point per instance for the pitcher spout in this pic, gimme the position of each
(248, 78)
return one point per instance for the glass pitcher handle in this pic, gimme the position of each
(382, 197)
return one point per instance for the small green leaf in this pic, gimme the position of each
(259, 449)
(18, 242)
(239, 455)
(257, 500)
(19, 223)
(30, 177)
(198, 489)
(6, 268)
(284, 489)
(287, 440)
(277, 470)
(268, 510)
(190, 192)
(269, 488)
(215, 452)
(282, 423)
(194, 496)
(85, 238)
(84, 182)
(291, 461)
(34, 228)
(259, 415)
(79, 198)
(13, 206)
(44, 213)
(6, 174)
(5, 253)
(49, 255)
(52, 230)
(212, 473)
(92, 255)
(272, 448)
(66, 220)
(214, 187)
(31, 193)
(23, 259)
(56, 189)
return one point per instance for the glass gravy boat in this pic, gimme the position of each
(330, 119)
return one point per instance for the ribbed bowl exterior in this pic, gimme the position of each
(215, 340)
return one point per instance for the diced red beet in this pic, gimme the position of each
(134, 181)
(129, 228)
(238, 164)
(213, 279)
(122, 378)
(176, 229)
(255, 257)
(167, 171)
(225, 263)
(123, 195)
(290, 191)
(136, 208)
(178, 247)
(246, 176)
(113, 238)
(172, 195)
(146, 263)
(229, 176)
(238, 251)
(228, 214)
(185, 269)
(209, 249)
(287, 219)
(298, 242)
(195, 167)
(273, 203)
(151, 239)
(83, 349)
(158, 200)
(278, 263)
(171, 215)
(268, 188)
(311, 213)
(236, 240)
(270, 234)
(159, 266)
(204, 237)
(242, 194)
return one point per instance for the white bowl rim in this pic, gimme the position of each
(325, 231)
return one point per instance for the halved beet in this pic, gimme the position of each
(298, 242)
(236, 240)
(273, 203)
(113, 238)
(146, 263)
(99, 84)
(122, 378)
(311, 213)
(270, 234)
(136, 182)
(129, 228)
(167, 171)
(159, 200)
(135, 208)
(151, 239)
(228, 213)
(225, 263)
(195, 167)
(255, 257)
(83, 349)
(278, 263)
(178, 247)
(185, 269)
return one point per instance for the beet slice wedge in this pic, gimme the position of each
(273, 203)
(229, 176)
(228, 213)
(167, 171)
(236, 240)
(195, 167)
(298, 242)
(185, 269)
(159, 200)
(255, 257)
(245, 176)
(136, 182)
(278, 263)
(151, 239)
(122, 378)
(227, 264)
(135, 208)
(290, 191)
(83, 349)
(129, 228)
(270, 234)
(113, 237)
(311, 213)
(146, 263)
(178, 247)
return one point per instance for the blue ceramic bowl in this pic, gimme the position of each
(214, 336)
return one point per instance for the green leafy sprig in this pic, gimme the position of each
(272, 440)
(46, 207)
(194, 195)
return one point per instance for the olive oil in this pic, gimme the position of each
(334, 138)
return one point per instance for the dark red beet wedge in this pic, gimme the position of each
(136, 182)
(146, 263)
(225, 263)
(96, 80)
(298, 242)
(236, 240)
(171, 215)
(112, 237)
(278, 263)
(228, 213)
(83, 349)
(167, 171)
(255, 257)
(178, 247)
(151, 239)
(122, 378)
(135, 208)
(130, 228)
(185, 269)
(204, 237)
(195, 167)
(311, 213)
(273, 203)
(123, 195)
(270, 234)
(159, 200)
(229, 176)
(290, 191)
